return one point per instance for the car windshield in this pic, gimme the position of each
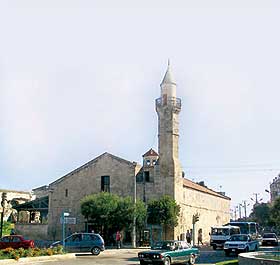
(269, 235)
(239, 238)
(166, 245)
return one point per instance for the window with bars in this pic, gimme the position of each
(147, 176)
(105, 183)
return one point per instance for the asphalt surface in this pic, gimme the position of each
(127, 257)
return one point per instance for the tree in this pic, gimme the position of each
(99, 208)
(164, 211)
(261, 214)
(109, 211)
(275, 214)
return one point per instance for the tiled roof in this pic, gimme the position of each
(151, 152)
(192, 185)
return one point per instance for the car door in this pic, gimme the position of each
(87, 242)
(186, 251)
(73, 243)
(181, 257)
(5, 242)
(177, 253)
(16, 242)
(252, 243)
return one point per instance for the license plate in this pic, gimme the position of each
(233, 250)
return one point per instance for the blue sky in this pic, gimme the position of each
(78, 78)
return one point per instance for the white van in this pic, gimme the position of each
(220, 234)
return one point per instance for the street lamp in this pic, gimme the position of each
(134, 217)
(4, 199)
(63, 215)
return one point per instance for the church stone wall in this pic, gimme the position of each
(212, 210)
(86, 181)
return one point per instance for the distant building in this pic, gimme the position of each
(275, 188)
(14, 198)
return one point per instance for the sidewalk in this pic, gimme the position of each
(36, 259)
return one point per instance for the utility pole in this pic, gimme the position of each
(256, 200)
(239, 207)
(245, 209)
(235, 213)
(256, 194)
(3, 201)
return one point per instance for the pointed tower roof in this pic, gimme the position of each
(151, 152)
(168, 77)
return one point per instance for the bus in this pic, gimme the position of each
(250, 228)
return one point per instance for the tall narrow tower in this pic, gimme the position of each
(168, 108)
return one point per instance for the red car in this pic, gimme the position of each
(15, 241)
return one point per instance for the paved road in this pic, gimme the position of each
(129, 257)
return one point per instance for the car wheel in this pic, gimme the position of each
(192, 260)
(95, 251)
(142, 262)
(214, 247)
(167, 261)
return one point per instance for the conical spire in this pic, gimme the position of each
(168, 77)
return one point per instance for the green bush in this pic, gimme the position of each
(10, 253)
(228, 262)
(7, 227)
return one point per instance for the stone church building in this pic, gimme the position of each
(159, 174)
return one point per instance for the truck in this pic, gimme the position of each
(220, 234)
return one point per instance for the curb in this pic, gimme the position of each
(36, 259)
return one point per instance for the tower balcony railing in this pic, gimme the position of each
(175, 102)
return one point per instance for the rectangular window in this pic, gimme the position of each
(105, 183)
(147, 176)
(66, 192)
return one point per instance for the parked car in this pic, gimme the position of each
(169, 252)
(15, 241)
(269, 239)
(82, 242)
(240, 243)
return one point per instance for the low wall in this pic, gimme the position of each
(253, 258)
(32, 231)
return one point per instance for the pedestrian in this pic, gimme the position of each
(199, 237)
(189, 237)
(13, 232)
(69, 233)
(118, 239)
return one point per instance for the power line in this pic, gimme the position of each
(227, 170)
